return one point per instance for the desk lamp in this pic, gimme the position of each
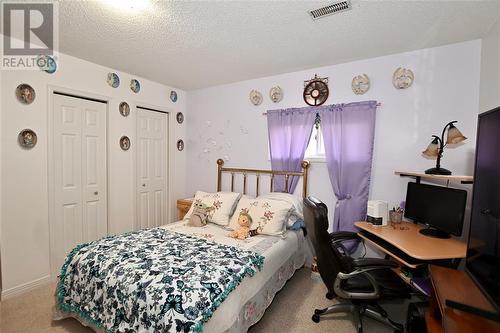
(435, 148)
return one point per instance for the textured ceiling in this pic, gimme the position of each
(191, 45)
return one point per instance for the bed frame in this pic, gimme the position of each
(220, 169)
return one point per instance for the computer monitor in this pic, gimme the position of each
(441, 208)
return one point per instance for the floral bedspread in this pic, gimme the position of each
(152, 280)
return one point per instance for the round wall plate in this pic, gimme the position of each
(46, 63)
(173, 96)
(360, 84)
(255, 97)
(180, 117)
(135, 86)
(124, 143)
(180, 145)
(276, 94)
(113, 80)
(25, 93)
(27, 138)
(316, 91)
(124, 109)
(402, 78)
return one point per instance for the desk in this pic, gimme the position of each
(456, 286)
(409, 246)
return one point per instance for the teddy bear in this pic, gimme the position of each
(199, 217)
(243, 231)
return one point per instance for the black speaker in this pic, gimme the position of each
(415, 321)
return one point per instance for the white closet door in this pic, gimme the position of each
(79, 141)
(151, 168)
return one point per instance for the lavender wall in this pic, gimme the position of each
(222, 122)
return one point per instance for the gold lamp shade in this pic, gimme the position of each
(454, 135)
(432, 149)
(436, 147)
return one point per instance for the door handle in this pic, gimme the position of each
(96, 193)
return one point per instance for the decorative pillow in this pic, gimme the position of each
(220, 206)
(268, 216)
(296, 201)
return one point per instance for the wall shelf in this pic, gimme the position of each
(452, 178)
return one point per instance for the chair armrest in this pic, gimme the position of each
(374, 262)
(336, 238)
(343, 235)
(363, 265)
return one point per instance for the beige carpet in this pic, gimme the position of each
(290, 311)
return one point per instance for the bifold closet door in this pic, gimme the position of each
(79, 152)
(151, 168)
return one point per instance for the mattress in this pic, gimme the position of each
(247, 303)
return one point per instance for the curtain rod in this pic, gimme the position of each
(265, 113)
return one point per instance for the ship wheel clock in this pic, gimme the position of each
(316, 91)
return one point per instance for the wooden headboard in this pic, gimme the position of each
(258, 173)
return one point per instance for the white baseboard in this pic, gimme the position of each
(23, 288)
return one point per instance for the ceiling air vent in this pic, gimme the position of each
(334, 8)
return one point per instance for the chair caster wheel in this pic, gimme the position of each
(315, 318)
(330, 295)
(319, 311)
(399, 330)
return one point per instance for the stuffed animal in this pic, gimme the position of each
(199, 217)
(243, 231)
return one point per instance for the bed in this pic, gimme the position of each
(178, 278)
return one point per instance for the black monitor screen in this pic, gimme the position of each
(440, 207)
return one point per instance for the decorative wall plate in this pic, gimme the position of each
(113, 80)
(27, 138)
(180, 117)
(173, 96)
(276, 94)
(124, 109)
(316, 91)
(255, 97)
(360, 84)
(135, 86)
(46, 63)
(25, 93)
(402, 78)
(124, 143)
(180, 145)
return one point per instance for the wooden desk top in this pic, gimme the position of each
(457, 286)
(416, 245)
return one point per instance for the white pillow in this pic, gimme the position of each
(221, 204)
(294, 200)
(268, 216)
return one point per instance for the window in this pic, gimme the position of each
(315, 149)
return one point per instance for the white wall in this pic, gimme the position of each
(24, 183)
(223, 122)
(490, 70)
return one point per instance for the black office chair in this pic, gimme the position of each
(357, 283)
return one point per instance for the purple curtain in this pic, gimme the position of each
(289, 133)
(348, 133)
